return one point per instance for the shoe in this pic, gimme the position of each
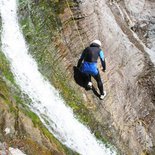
(90, 85)
(103, 96)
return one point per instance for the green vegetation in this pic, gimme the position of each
(41, 26)
(5, 68)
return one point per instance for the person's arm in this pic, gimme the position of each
(81, 59)
(102, 58)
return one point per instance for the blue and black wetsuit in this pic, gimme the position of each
(89, 66)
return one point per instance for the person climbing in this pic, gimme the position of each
(88, 65)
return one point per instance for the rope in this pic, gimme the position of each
(75, 24)
(90, 105)
(94, 107)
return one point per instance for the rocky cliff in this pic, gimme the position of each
(126, 30)
(57, 32)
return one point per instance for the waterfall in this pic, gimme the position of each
(46, 101)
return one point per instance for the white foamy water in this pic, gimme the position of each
(46, 101)
(4, 150)
(15, 151)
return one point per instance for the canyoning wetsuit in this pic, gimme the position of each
(89, 66)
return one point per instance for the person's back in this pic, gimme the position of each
(91, 53)
(89, 66)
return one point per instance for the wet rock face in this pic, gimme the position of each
(125, 29)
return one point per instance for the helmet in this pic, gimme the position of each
(96, 42)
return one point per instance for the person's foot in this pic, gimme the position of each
(103, 95)
(90, 85)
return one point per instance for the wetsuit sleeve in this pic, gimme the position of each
(81, 59)
(102, 58)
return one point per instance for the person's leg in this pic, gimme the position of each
(99, 83)
(87, 79)
(89, 83)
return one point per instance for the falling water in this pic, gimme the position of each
(46, 101)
